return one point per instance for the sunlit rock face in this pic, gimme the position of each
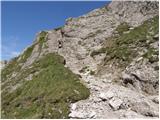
(113, 50)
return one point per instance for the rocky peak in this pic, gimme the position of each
(134, 12)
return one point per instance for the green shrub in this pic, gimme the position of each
(27, 54)
(152, 55)
(42, 39)
(92, 72)
(47, 95)
(122, 28)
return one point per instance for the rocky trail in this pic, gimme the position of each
(109, 100)
(114, 52)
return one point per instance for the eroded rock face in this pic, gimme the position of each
(143, 76)
(130, 92)
(109, 99)
(140, 12)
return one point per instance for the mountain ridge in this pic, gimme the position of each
(98, 47)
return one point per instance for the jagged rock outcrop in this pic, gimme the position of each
(114, 50)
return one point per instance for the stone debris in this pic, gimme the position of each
(115, 103)
(115, 93)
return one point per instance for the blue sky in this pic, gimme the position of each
(22, 20)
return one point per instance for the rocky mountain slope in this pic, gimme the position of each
(100, 65)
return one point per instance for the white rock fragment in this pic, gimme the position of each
(115, 103)
(126, 76)
(107, 95)
(139, 59)
(73, 107)
(102, 96)
(82, 114)
(92, 115)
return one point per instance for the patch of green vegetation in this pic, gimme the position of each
(152, 55)
(125, 47)
(122, 54)
(42, 39)
(93, 34)
(92, 72)
(14, 67)
(122, 28)
(45, 46)
(11, 66)
(97, 52)
(26, 54)
(48, 94)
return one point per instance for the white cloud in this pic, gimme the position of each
(14, 53)
(9, 54)
(9, 49)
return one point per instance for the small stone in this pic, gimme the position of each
(102, 96)
(107, 95)
(131, 114)
(49, 114)
(125, 76)
(115, 103)
(73, 106)
(92, 115)
(139, 59)
(156, 100)
(156, 36)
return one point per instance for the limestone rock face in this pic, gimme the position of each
(130, 91)
(140, 12)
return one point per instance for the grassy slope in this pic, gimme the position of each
(126, 46)
(47, 95)
(15, 66)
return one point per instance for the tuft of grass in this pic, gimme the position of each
(92, 72)
(93, 34)
(97, 52)
(45, 46)
(48, 94)
(152, 55)
(42, 39)
(122, 28)
(26, 54)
